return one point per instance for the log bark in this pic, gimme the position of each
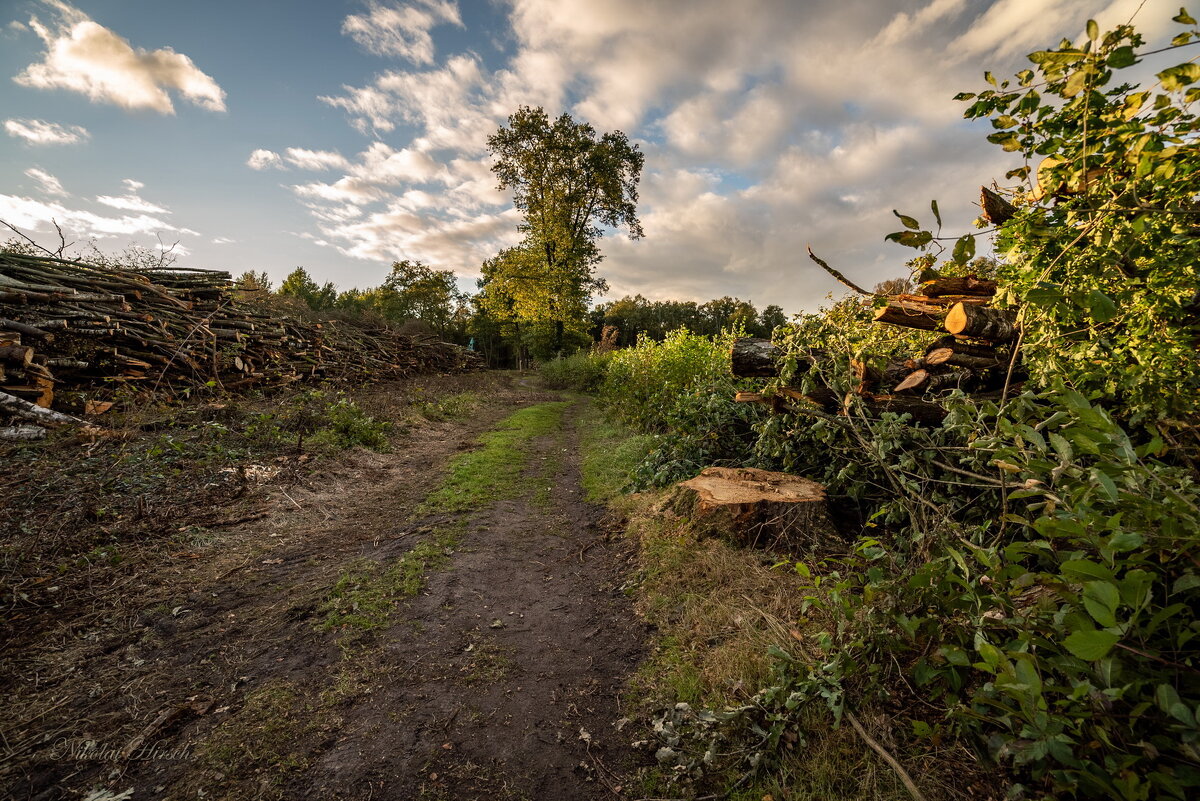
(753, 357)
(979, 322)
(22, 433)
(20, 355)
(921, 411)
(31, 411)
(952, 357)
(970, 285)
(756, 507)
(996, 209)
(909, 315)
(959, 345)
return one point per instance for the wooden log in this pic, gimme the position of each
(20, 355)
(941, 302)
(970, 285)
(960, 345)
(22, 433)
(914, 379)
(921, 411)
(910, 315)
(30, 411)
(756, 507)
(27, 330)
(952, 357)
(980, 322)
(753, 357)
(996, 209)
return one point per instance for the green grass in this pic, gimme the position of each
(366, 594)
(610, 452)
(261, 735)
(449, 407)
(493, 472)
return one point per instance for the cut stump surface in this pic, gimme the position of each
(756, 507)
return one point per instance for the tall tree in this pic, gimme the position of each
(568, 185)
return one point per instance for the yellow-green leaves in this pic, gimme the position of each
(1091, 645)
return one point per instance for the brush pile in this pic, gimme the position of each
(974, 353)
(78, 338)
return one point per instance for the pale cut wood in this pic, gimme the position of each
(756, 507)
(22, 433)
(978, 322)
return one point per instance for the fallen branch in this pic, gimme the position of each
(841, 278)
(901, 773)
(31, 411)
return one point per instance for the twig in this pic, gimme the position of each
(841, 278)
(901, 773)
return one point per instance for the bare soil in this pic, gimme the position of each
(199, 669)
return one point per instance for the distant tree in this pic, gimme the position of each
(251, 281)
(566, 183)
(895, 286)
(771, 318)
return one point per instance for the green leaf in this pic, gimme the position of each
(909, 222)
(1187, 581)
(1126, 541)
(1076, 83)
(1179, 77)
(1091, 645)
(911, 239)
(1085, 569)
(1093, 30)
(1122, 57)
(1183, 18)
(936, 214)
(1101, 599)
(964, 249)
(1106, 483)
(1101, 306)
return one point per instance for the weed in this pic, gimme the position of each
(261, 736)
(448, 407)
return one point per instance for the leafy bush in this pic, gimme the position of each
(680, 390)
(579, 372)
(327, 420)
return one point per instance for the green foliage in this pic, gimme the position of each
(580, 372)
(299, 285)
(636, 317)
(568, 185)
(326, 420)
(681, 392)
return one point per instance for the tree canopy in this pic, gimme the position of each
(568, 183)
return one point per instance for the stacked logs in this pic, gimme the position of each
(73, 336)
(974, 353)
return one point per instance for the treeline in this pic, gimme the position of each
(426, 300)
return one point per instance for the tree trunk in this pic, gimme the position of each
(981, 322)
(952, 357)
(756, 507)
(752, 357)
(909, 315)
(958, 286)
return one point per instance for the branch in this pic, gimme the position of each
(901, 773)
(841, 278)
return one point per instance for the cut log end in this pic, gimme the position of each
(756, 507)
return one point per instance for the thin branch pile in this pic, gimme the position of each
(78, 338)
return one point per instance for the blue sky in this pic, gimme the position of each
(343, 134)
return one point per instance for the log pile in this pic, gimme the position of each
(76, 337)
(974, 353)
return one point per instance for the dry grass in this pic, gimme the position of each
(719, 609)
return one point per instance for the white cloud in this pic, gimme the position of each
(131, 203)
(37, 215)
(223, 240)
(47, 182)
(84, 56)
(40, 132)
(393, 30)
(313, 159)
(262, 159)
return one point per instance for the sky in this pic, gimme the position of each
(342, 135)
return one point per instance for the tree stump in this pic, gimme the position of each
(755, 507)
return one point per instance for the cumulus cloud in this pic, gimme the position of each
(314, 159)
(263, 159)
(47, 182)
(395, 30)
(83, 56)
(37, 215)
(40, 132)
(782, 125)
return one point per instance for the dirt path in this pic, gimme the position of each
(294, 661)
